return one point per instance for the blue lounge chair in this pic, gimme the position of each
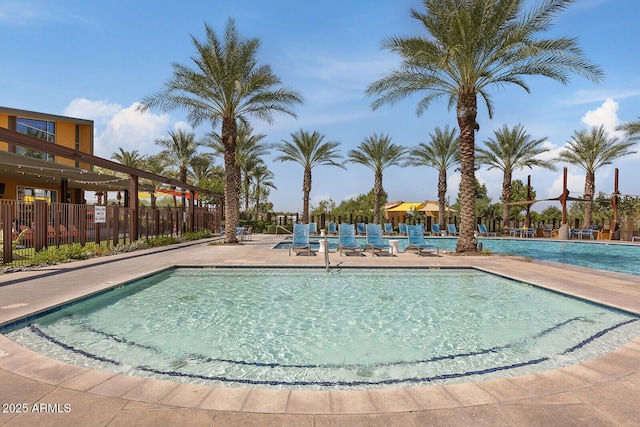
(402, 228)
(451, 229)
(240, 233)
(347, 240)
(332, 228)
(375, 240)
(482, 231)
(300, 239)
(360, 228)
(313, 228)
(415, 235)
(435, 229)
(388, 229)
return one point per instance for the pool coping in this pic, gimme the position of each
(588, 386)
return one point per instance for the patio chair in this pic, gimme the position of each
(313, 229)
(388, 229)
(375, 240)
(402, 228)
(240, 233)
(347, 240)
(482, 231)
(360, 228)
(415, 235)
(451, 229)
(247, 232)
(331, 228)
(300, 241)
(435, 229)
(529, 232)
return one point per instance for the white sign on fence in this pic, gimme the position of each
(100, 214)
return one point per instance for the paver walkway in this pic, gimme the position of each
(600, 392)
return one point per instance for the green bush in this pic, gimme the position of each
(256, 226)
(154, 242)
(197, 235)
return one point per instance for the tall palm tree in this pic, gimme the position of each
(180, 148)
(129, 158)
(377, 152)
(249, 151)
(590, 150)
(442, 152)
(510, 149)
(227, 85)
(309, 150)
(157, 164)
(632, 128)
(470, 46)
(262, 179)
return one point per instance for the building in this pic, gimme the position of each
(29, 175)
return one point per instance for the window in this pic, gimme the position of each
(42, 129)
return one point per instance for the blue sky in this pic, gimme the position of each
(96, 60)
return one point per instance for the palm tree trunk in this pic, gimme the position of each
(442, 194)
(306, 190)
(589, 189)
(231, 202)
(506, 197)
(377, 195)
(247, 184)
(467, 112)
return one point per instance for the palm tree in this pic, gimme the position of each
(632, 128)
(590, 150)
(129, 158)
(472, 45)
(510, 149)
(181, 148)
(156, 164)
(227, 85)
(442, 152)
(377, 153)
(309, 150)
(262, 180)
(248, 153)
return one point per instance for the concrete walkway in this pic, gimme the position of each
(37, 390)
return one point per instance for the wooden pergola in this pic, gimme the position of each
(17, 138)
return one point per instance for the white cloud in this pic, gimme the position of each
(606, 114)
(116, 126)
(575, 185)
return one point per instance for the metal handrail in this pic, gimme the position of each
(279, 226)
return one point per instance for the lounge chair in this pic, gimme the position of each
(402, 228)
(529, 232)
(580, 233)
(300, 239)
(375, 241)
(435, 230)
(415, 235)
(482, 231)
(360, 228)
(388, 229)
(547, 230)
(451, 229)
(331, 228)
(347, 240)
(240, 233)
(313, 229)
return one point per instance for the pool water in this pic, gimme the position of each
(306, 328)
(621, 258)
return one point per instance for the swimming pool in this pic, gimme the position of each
(356, 328)
(618, 257)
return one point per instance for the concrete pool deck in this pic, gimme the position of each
(601, 392)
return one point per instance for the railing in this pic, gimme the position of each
(55, 224)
